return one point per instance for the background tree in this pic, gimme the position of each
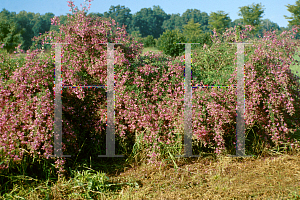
(198, 17)
(219, 21)
(295, 19)
(295, 10)
(160, 16)
(121, 15)
(149, 22)
(237, 33)
(95, 15)
(10, 31)
(26, 21)
(47, 21)
(137, 35)
(63, 20)
(173, 22)
(37, 24)
(252, 15)
(192, 31)
(41, 24)
(236, 22)
(267, 25)
(33, 25)
(281, 29)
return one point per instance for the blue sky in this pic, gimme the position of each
(274, 9)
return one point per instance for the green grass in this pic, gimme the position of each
(154, 49)
(296, 67)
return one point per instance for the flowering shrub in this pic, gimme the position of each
(269, 106)
(271, 91)
(149, 92)
(27, 109)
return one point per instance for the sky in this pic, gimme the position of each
(274, 9)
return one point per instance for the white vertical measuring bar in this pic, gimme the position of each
(58, 104)
(110, 128)
(240, 118)
(188, 125)
(240, 122)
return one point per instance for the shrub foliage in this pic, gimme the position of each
(168, 43)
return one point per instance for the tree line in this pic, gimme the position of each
(148, 24)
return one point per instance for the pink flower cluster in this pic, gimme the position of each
(75, 10)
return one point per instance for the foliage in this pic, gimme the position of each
(219, 21)
(194, 34)
(267, 25)
(252, 15)
(198, 17)
(149, 22)
(121, 15)
(258, 112)
(84, 8)
(192, 31)
(34, 25)
(174, 22)
(10, 31)
(149, 41)
(295, 67)
(204, 39)
(167, 43)
(205, 70)
(54, 27)
(137, 36)
(237, 22)
(27, 96)
(209, 126)
(294, 10)
(21, 28)
(8, 65)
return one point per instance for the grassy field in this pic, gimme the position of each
(154, 49)
(270, 175)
